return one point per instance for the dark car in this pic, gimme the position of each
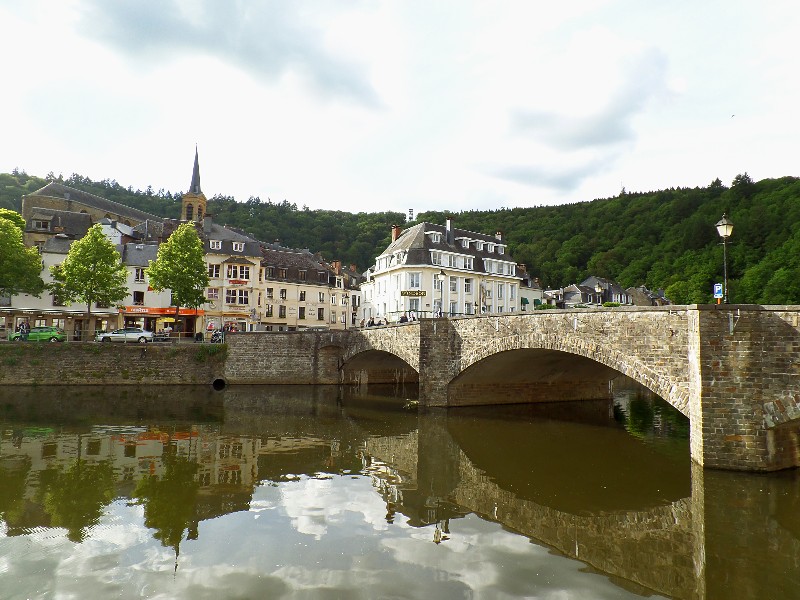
(41, 334)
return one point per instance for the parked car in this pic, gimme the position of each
(41, 334)
(126, 334)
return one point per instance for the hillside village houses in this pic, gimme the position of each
(252, 285)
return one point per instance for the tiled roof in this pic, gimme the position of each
(59, 190)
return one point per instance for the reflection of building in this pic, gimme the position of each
(431, 270)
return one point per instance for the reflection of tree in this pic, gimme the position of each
(75, 497)
(12, 491)
(640, 417)
(170, 501)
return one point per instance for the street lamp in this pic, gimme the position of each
(725, 229)
(598, 287)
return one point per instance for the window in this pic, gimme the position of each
(468, 285)
(212, 293)
(323, 277)
(465, 243)
(436, 258)
(41, 225)
(452, 260)
(268, 308)
(479, 246)
(238, 246)
(413, 304)
(437, 282)
(302, 296)
(322, 296)
(215, 244)
(281, 311)
(320, 314)
(281, 273)
(414, 280)
(57, 300)
(512, 292)
(333, 298)
(468, 308)
(468, 263)
(436, 238)
(453, 309)
(238, 272)
(138, 298)
(269, 293)
(454, 284)
(490, 248)
(333, 316)
(301, 313)
(302, 275)
(138, 274)
(343, 318)
(213, 271)
(344, 299)
(270, 272)
(237, 296)
(500, 250)
(283, 294)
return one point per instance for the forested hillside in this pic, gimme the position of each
(664, 239)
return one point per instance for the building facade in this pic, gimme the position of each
(433, 270)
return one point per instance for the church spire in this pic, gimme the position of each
(194, 201)
(194, 188)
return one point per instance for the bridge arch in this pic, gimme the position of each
(561, 353)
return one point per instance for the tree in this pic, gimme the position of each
(14, 217)
(180, 266)
(92, 273)
(20, 267)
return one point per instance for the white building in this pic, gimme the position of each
(433, 270)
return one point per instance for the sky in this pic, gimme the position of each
(370, 105)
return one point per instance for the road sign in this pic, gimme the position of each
(717, 290)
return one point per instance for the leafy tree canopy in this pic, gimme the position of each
(181, 267)
(91, 273)
(13, 216)
(20, 267)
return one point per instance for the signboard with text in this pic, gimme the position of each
(717, 290)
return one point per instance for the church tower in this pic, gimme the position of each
(194, 201)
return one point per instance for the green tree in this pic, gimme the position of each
(92, 273)
(20, 267)
(13, 216)
(180, 266)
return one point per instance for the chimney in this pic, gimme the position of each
(353, 268)
(395, 232)
(499, 235)
(448, 228)
(522, 267)
(337, 266)
(207, 224)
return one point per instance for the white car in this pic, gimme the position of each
(126, 334)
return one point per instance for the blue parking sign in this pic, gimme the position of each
(717, 290)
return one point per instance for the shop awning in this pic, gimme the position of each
(525, 301)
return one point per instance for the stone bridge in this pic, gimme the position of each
(733, 370)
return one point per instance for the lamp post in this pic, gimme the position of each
(598, 287)
(725, 229)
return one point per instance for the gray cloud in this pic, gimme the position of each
(611, 123)
(561, 179)
(266, 38)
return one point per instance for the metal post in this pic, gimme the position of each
(725, 269)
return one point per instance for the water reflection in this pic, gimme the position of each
(298, 491)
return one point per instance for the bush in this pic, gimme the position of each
(611, 304)
(544, 307)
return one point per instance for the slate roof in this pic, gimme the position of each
(294, 261)
(138, 255)
(417, 242)
(74, 224)
(58, 244)
(61, 191)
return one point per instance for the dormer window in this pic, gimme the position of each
(490, 248)
(436, 238)
(238, 246)
(215, 244)
(45, 225)
(465, 243)
(479, 246)
(501, 250)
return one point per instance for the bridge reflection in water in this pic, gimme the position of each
(629, 505)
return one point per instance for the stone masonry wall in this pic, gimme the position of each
(41, 363)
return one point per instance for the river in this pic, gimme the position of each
(333, 492)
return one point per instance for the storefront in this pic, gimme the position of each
(163, 320)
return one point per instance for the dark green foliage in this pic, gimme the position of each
(663, 239)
